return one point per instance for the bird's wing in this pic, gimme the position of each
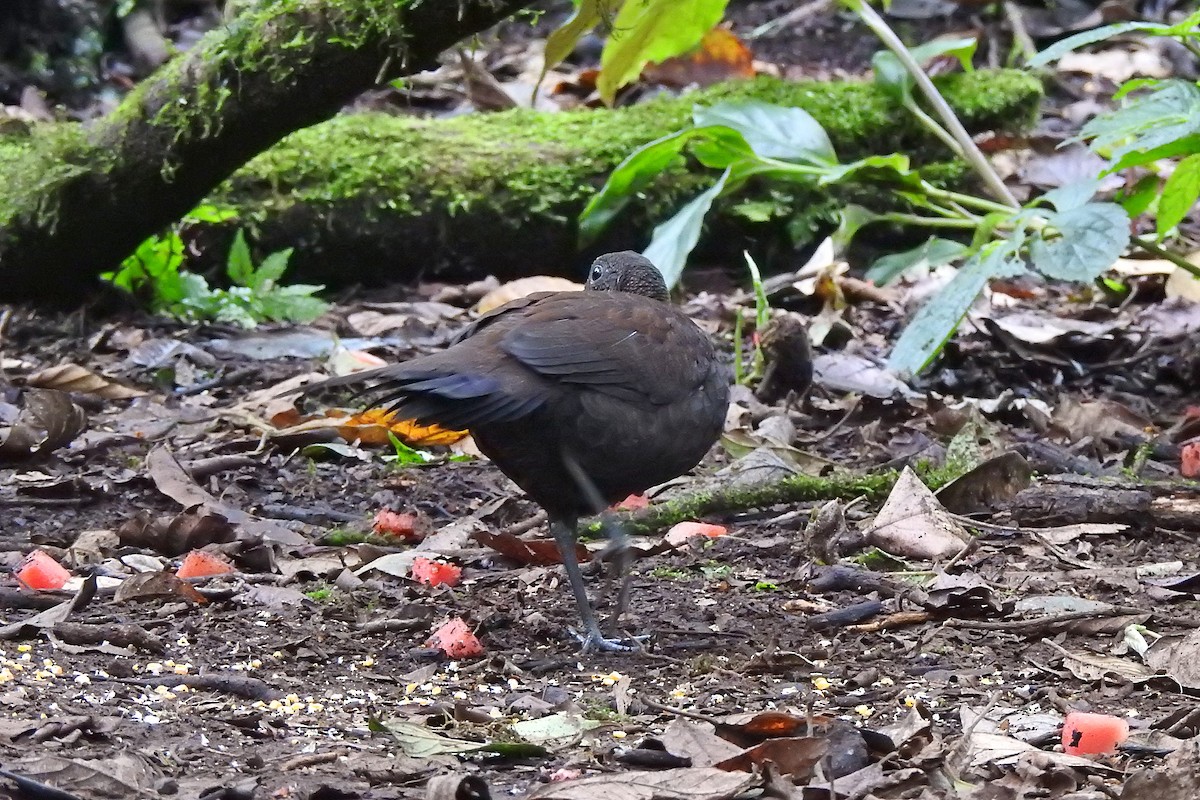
(627, 347)
(498, 313)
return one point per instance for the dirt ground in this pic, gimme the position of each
(308, 672)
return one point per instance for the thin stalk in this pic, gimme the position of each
(1162, 252)
(937, 130)
(971, 153)
(928, 222)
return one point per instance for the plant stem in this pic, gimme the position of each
(927, 222)
(937, 130)
(970, 152)
(1162, 252)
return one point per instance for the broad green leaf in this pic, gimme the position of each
(782, 132)
(1137, 200)
(1179, 194)
(893, 168)
(1139, 158)
(1088, 240)
(652, 30)
(631, 175)
(851, 219)
(271, 269)
(1147, 122)
(933, 253)
(936, 321)
(674, 239)
(722, 147)
(561, 42)
(239, 266)
(893, 78)
(1073, 195)
(294, 303)
(1064, 46)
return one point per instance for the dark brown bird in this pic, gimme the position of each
(581, 398)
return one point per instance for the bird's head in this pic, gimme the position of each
(626, 271)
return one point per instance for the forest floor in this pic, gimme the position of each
(308, 672)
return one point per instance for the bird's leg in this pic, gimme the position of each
(618, 541)
(619, 551)
(564, 536)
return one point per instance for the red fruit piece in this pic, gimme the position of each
(1189, 460)
(199, 564)
(1092, 734)
(393, 523)
(686, 530)
(436, 573)
(633, 503)
(39, 570)
(455, 639)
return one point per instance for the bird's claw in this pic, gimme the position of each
(594, 640)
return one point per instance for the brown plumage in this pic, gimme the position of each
(581, 398)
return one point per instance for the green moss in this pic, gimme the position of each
(532, 165)
(33, 165)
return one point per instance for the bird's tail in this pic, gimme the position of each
(431, 394)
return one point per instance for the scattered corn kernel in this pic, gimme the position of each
(820, 683)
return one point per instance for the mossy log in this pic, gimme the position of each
(372, 198)
(75, 201)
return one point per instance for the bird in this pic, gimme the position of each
(581, 398)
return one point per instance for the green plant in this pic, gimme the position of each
(154, 273)
(321, 594)
(762, 315)
(407, 456)
(641, 31)
(1159, 120)
(669, 573)
(1064, 234)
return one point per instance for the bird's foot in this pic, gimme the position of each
(596, 641)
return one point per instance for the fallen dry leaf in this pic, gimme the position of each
(74, 378)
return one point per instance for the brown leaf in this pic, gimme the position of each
(531, 552)
(74, 378)
(191, 529)
(155, 585)
(796, 757)
(720, 56)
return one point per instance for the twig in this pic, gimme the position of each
(1021, 38)
(791, 18)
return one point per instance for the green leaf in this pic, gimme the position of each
(674, 239)
(405, 455)
(1089, 240)
(1064, 46)
(1138, 158)
(271, 269)
(935, 322)
(1179, 194)
(239, 265)
(933, 253)
(893, 168)
(893, 78)
(1147, 122)
(293, 303)
(630, 176)
(1073, 195)
(790, 134)
(652, 30)
(561, 42)
(851, 219)
(210, 213)
(1137, 200)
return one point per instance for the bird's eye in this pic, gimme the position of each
(597, 272)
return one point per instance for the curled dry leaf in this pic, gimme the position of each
(522, 287)
(50, 420)
(192, 528)
(74, 378)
